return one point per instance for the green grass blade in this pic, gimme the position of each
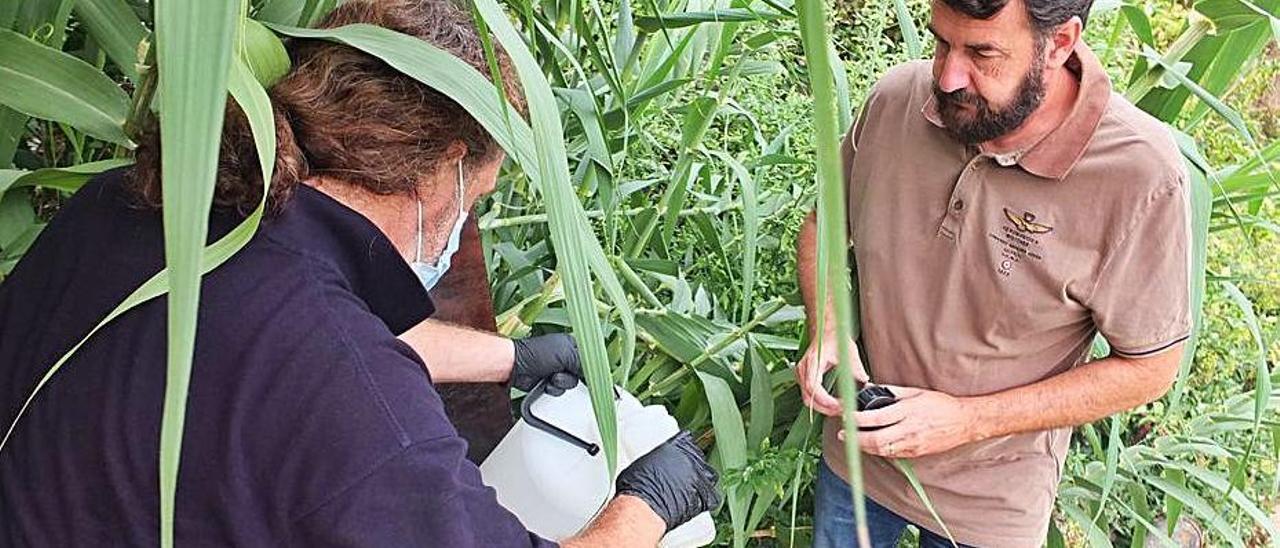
(282, 12)
(1262, 373)
(263, 53)
(566, 233)
(1223, 485)
(1227, 113)
(315, 11)
(43, 82)
(907, 470)
(117, 30)
(1114, 443)
(1201, 210)
(910, 34)
(1096, 536)
(832, 229)
(731, 444)
(66, 179)
(671, 21)
(762, 414)
(1205, 509)
(194, 42)
(750, 227)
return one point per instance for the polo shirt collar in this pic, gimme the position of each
(371, 266)
(1053, 156)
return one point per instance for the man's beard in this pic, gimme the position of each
(986, 124)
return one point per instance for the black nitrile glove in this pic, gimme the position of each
(674, 480)
(553, 357)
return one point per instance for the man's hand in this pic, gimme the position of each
(674, 480)
(815, 364)
(922, 422)
(553, 357)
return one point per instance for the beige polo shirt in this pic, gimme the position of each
(981, 273)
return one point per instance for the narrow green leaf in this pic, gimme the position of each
(1230, 15)
(46, 83)
(16, 217)
(1114, 444)
(910, 34)
(1140, 24)
(1262, 372)
(750, 227)
(566, 233)
(1228, 114)
(117, 30)
(731, 444)
(282, 12)
(1206, 510)
(1223, 485)
(832, 229)
(194, 51)
(1096, 536)
(673, 21)
(264, 53)
(66, 179)
(762, 416)
(905, 467)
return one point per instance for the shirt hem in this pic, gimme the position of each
(920, 517)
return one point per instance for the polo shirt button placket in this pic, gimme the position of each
(951, 220)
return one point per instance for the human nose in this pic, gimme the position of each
(954, 74)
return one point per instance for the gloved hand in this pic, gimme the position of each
(553, 357)
(674, 480)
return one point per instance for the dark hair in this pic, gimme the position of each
(347, 114)
(1043, 14)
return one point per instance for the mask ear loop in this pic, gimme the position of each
(462, 198)
(417, 254)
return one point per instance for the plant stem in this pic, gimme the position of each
(541, 218)
(766, 311)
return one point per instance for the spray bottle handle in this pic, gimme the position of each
(526, 411)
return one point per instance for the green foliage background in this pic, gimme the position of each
(689, 151)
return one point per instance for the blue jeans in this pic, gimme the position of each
(833, 518)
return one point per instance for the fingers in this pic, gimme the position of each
(879, 418)
(563, 380)
(903, 392)
(881, 443)
(812, 392)
(859, 372)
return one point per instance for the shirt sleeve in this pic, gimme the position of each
(1142, 299)
(426, 495)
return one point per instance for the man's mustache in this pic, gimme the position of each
(958, 97)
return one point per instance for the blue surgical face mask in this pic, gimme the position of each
(430, 274)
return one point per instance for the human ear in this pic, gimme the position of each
(1062, 42)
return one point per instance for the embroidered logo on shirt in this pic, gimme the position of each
(1027, 222)
(1018, 240)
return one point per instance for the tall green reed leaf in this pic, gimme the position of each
(832, 235)
(117, 30)
(1262, 375)
(66, 179)
(565, 223)
(731, 445)
(910, 34)
(44, 82)
(194, 42)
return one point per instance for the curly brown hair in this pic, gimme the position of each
(343, 113)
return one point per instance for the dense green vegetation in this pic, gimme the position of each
(688, 164)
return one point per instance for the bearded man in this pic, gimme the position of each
(1005, 206)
